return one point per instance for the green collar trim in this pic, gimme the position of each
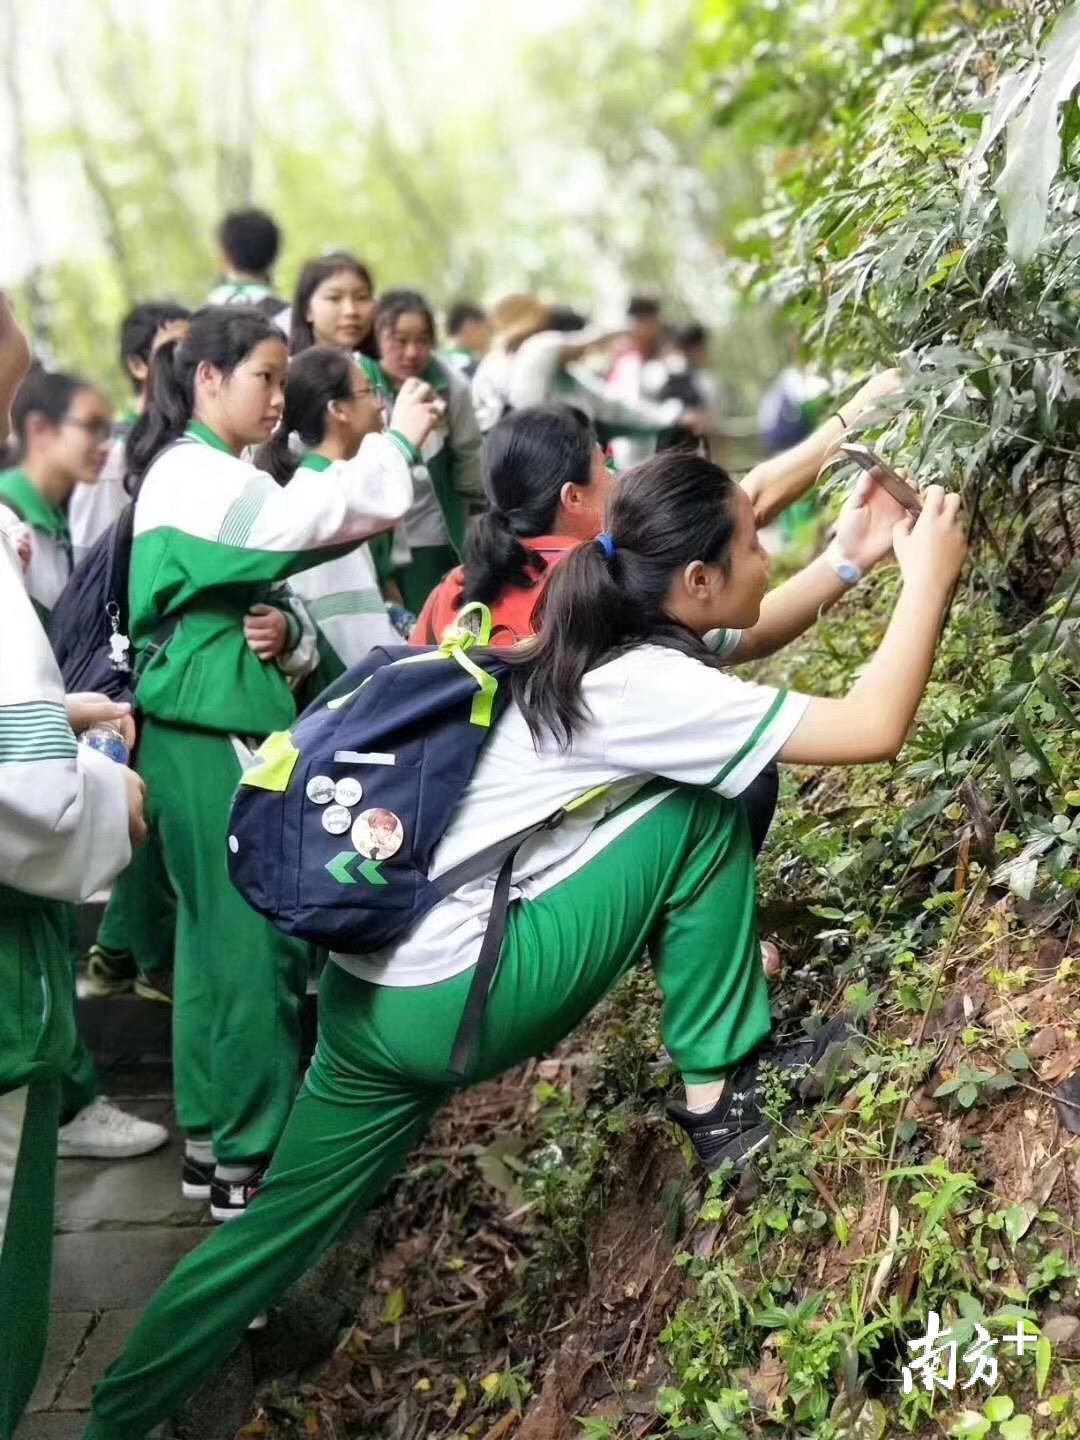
(32, 507)
(434, 373)
(196, 430)
(312, 461)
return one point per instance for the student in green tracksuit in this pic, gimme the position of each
(330, 408)
(67, 819)
(452, 478)
(621, 691)
(213, 536)
(63, 429)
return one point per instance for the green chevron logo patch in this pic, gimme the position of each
(340, 868)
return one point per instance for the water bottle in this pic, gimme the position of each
(108, 739)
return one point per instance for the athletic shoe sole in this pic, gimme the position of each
(224, 1216)
(146, 991)
(107, 1152)
(194, 1192)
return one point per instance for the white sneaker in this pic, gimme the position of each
(100, 1131)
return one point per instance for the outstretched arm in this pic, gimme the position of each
(871, 722)
(782, 479)
(864, 537)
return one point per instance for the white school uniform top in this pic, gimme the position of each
(343, 597)
(63, 807)
(93, 508)
(654, 713)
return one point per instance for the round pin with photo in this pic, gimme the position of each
(377, 834)
(336, 820)
(348, 791)
(320, 789)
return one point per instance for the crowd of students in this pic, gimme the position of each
(310, 480)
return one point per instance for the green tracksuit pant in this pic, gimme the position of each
(37, 1035)
(79, 1084)
(140, 918)
(680, 880)
(238, 983)
(28, 1119)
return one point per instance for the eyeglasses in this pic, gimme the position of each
(402, 342)
(99, 430)
(361, 394)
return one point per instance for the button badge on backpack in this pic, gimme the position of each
(320, 790)
(348, 791)
(336, 820)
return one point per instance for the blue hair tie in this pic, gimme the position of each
(607, 544)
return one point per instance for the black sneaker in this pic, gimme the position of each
(736, 1129)
(195, 1178)
(230, 1198)
(108, 972)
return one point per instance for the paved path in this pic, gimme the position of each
(121, 1227)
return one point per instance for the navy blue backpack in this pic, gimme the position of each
(334, 826)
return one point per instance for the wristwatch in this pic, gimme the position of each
(846, 570)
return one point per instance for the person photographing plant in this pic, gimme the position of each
(621, 694)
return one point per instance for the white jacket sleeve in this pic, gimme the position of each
(302, 657)
(63, 808)
(352, 501)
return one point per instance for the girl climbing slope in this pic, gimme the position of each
(620, 690)
(212, 537)
(331, 406)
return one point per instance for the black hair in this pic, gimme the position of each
(301, 335)
(565, 317)
(396, 303)
(644, 307)
(219, 335)
(251, 240)
(690, 336)
(528, 457)
(140, 325)
(319, 375)
(663, 514)
(461, 312)
(44, 392)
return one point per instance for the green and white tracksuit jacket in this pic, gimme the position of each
(448, 475)
(51, 560)
(63, 835)
(343, 597)
(212, 536)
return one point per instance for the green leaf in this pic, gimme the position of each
(967, 1095)
(1043, 1356)
(1018, 1220)
(395, 1307)
(999, 1407)
(1017, 1060)
(1018, 1428)
(1034, 145)
(971, 1426)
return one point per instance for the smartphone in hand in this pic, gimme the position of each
(888, 479)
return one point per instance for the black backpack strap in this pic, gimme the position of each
(472, 1017)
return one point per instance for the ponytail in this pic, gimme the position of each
(219, 335)
(495, 559)
(277, 457)
(529, 456)
(317, 376)
(608, 596)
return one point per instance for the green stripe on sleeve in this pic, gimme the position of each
(35, 730)
(346, 602)
(405, 445)
(754, 739)
(241, 515)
